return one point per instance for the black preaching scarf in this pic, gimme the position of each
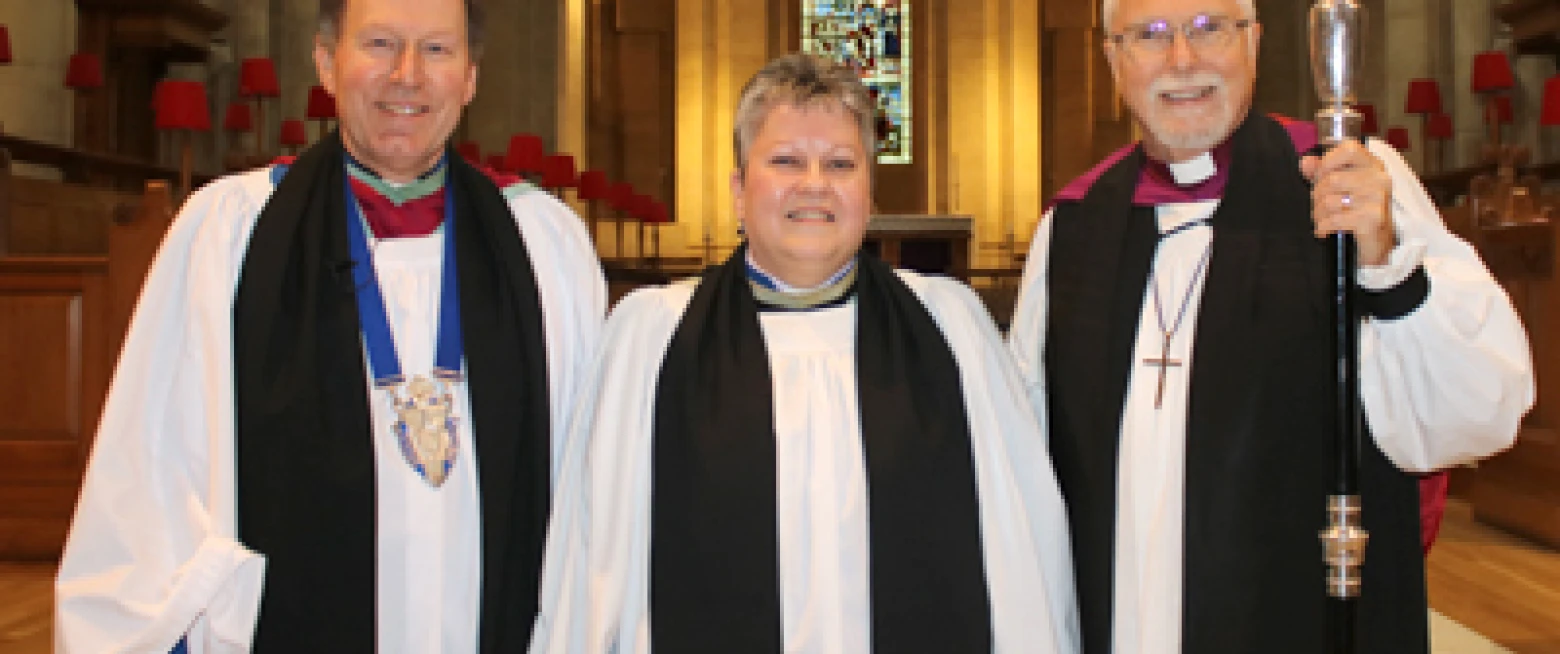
(715, 572)
(1259, 423)
(305, 453)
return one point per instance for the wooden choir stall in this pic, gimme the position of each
(72, 259)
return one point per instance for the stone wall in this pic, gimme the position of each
(32, 86)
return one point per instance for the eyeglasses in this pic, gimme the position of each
(1204, 34)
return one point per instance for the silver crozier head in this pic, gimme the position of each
(1337, 27)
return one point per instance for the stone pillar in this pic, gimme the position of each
(518, 75)
(994, 121)
(1471, 28)
(1408, 45)
(32, 86)
(719, 44)
(294, 25)
(248, 34)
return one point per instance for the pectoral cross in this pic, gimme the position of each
(1165, 363)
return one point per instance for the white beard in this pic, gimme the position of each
(1207, 130)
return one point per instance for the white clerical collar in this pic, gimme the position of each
(1196, 170)
(768, 279)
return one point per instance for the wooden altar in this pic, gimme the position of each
(933, 244)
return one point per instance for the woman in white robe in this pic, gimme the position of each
(716, 495)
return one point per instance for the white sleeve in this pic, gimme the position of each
(1025, 534)
(595, 576)
(1450, 381)
(573, 294)
(152, 554)
(1026, 336)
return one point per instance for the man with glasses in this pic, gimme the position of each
(1173, 331)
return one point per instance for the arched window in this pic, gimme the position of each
(874, 37)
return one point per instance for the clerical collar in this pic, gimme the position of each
(1197, 179)
(400, 193)
(410, 210)
(773, 293)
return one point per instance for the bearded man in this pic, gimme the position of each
(1173, 331)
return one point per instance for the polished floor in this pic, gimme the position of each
(1502, 587)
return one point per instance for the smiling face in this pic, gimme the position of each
(804, 191)
(1187, 98)
(401, 71)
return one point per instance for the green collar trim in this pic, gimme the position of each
(399, 194)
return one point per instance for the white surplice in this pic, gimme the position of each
(1443, 385)
(596, 577)
(152, 553)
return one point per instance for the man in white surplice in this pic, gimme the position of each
(1172, 327)
(260, 482)
(805, 450)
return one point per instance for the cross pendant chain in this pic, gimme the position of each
(1165, 363)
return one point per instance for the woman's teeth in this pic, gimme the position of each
(810, 215)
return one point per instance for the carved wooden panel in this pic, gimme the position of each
(54, 349)
(51, 218)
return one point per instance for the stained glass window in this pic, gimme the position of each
(873, 36)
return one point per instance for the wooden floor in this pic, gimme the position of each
(26, 611)
(1504, 587)
(1498, 585)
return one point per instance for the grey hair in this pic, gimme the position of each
(1108, 10)
(802, 80)
(331, 12)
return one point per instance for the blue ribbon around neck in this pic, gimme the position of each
(383, 362)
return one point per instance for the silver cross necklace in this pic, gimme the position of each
(1164, 362)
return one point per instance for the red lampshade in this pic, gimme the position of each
(1551, 111)
(293, 133)
(594, 185)
(257, 78)
(639, 208)
(322, 105)
(496, 162)
(621, 196)
(1368, 124)
(525, 153)
(239, 118)
(85, 71)
(181, 104)
(1499, 111)
(1424, 97)
(470, 151)
(1439, 127)
(5, 45)
(558, 171)
(656, 213)
(1397, 137)
(1491, 72)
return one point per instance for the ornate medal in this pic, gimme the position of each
(424, 407)
(425, 425)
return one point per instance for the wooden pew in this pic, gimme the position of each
(1517, 489)
(62, 320)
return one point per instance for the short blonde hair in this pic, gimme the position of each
(802, 80)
